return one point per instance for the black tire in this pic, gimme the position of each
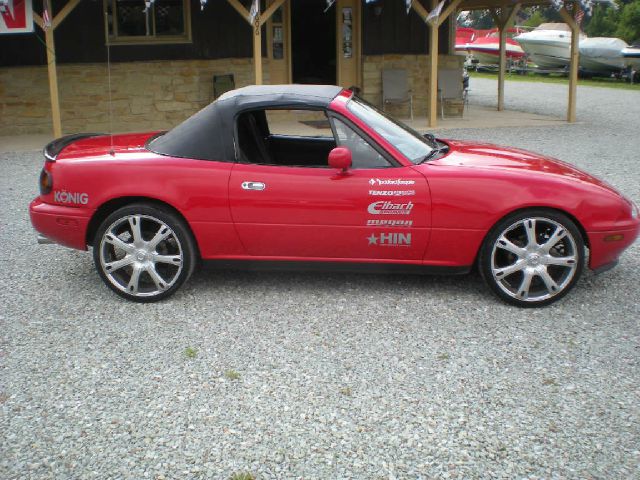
(528, 274)
(151, 267)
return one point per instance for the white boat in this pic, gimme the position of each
(602, 54)
(549, 45)
(631, 56)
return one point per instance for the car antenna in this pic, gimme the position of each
(111, 152)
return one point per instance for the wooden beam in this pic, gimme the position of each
(573, 65)
(420, 10)
(244, 13)
(62, 14)
(38, 19)
(448, 11)
(270, 11)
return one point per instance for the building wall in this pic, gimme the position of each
(145, 95)
(417, 67)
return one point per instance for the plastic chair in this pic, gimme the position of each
(395, 88)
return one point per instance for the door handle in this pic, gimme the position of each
(253, 186)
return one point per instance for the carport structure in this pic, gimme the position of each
(503, 12)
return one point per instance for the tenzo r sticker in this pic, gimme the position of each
(383, 222)
(393, 193)
(385, 207)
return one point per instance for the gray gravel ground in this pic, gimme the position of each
(340, 376)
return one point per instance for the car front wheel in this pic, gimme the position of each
(144, 252)
(532, 258)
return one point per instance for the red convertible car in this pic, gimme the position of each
(227, 184)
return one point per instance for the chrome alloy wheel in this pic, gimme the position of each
(141, 255)
(534, 259)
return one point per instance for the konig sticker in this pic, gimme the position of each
(385, 207)
(74, 198)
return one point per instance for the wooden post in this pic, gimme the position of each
(53, 82)
(257, 49)
(51, 59)
(434, 27)
(433, 73)
(573, 65)
(503, 21)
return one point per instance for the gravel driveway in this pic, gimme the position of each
(320, 375)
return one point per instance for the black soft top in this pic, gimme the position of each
(208, 135)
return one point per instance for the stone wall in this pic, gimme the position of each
(145, 95)
(417, 67)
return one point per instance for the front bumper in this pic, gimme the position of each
(606, 247)
(59, 224)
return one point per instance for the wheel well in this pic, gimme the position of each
(112, 205)
(583, 232)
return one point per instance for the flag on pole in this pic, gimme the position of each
(46, 15)
(579, 16)
(434, 14)
(202, 4)
(408, 4)
(254, 12)
(329, 3)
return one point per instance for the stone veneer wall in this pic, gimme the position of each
(145, 95)
(417, 67)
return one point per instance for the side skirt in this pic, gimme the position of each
(288, 266)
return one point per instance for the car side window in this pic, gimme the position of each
(363, 155)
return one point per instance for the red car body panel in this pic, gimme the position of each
(313, 214)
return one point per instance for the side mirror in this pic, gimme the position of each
(340, 158)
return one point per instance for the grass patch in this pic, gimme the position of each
(443, 357)
(190, 352)
(242, 476)
(231, 375)
(557, 78)
(550, 381)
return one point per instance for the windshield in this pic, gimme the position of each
(410, 143)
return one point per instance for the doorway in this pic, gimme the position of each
(313, 42)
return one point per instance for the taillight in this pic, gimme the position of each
(46, 182)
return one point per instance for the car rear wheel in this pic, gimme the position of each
(532, 258)
(144, 252)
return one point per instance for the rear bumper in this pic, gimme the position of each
(58, 224)
(605, 247)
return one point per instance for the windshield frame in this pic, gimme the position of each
(397, 125)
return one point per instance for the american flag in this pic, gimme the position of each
(579, 16)
(46, 15)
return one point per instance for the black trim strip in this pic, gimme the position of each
(347, 267)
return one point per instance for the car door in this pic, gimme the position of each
(375, 211)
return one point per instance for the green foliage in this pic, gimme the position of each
(190, 352)
(535, 19)
(629, 24)
(243, 476)
(479, 19)
(232, 375)
(603, 23)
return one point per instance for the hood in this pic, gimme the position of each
(93, 145)
(507, 159)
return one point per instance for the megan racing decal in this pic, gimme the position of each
(385, 207)
(391, 181)
(389, 223)
(62, 196)
(390, 239)
(393, 193)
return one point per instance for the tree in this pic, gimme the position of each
(535, 19)
(629, 25)
(603, 23)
